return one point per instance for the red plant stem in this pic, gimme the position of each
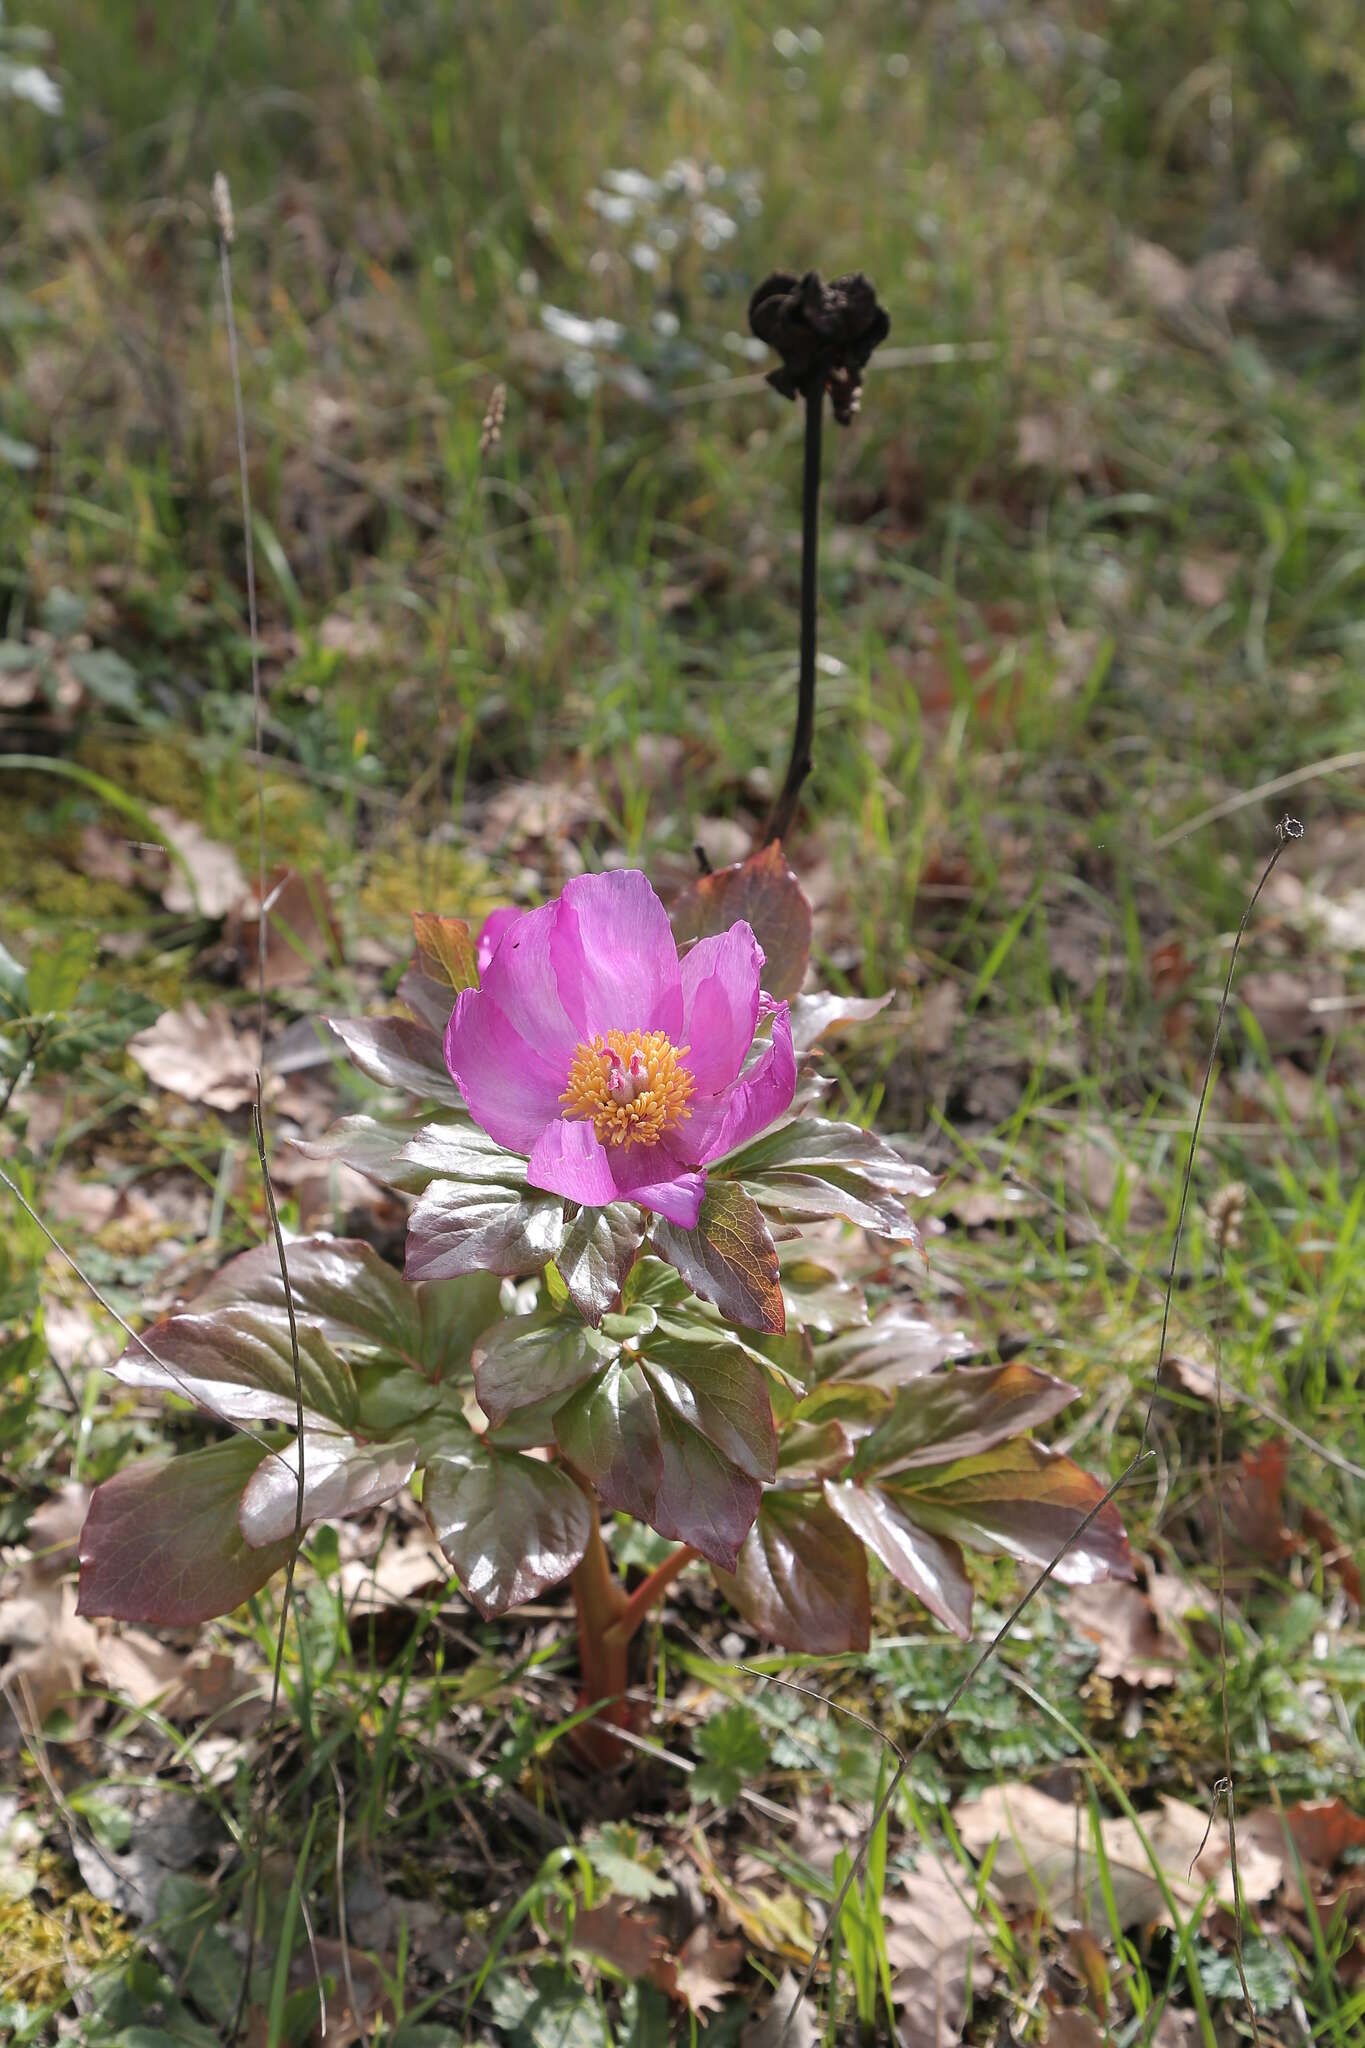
(607, 1620)
(650, 1592)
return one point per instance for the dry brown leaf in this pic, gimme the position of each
(935, 1018)
(1073, 2027)
(935, 1948)
(1290, 1003)
(777, 2026)
(54, 1528)
(203, 1055)
(1326, 1833)
(400, 1571)
(1204, 579)
(302, 936)
(19, 686)
(701, 1974)
(357, 639)
(73, 1336)
(520, 813)
(630, 1941)
(51, 1649)
(1093, 1169)
(1133, 1645)
(85, 1202)
(183, 1685)
(1046, 1853)
(1161, 278)
(346, 2025)
(219, 882)
(105, 857)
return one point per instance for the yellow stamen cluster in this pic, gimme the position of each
(629, 1086)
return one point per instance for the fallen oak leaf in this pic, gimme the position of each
(937, 1952)
(1045, 1851)
(200, 1054)
(1133, 1645)
(701, 1974)
(206, 880)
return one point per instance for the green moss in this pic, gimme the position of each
(45, 1947)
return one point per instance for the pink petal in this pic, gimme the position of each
(757, 1099)
(657, 1179)
(570, 1159)
(510, 1091)
(720, 1005)
(614, 956)
(521, 979)
(491, 930)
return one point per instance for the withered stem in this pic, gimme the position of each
(799, 767)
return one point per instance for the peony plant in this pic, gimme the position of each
(645, 1277)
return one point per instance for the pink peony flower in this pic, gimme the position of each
(611, 1064)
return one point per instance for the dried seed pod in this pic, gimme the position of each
(824, 333)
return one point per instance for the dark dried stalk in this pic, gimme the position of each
(803, 741)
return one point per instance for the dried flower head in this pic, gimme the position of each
(824, 334)
(222, 208)
(492, 421)
(1226, 1209)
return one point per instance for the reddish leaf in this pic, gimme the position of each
(764, 892)
(339, 1285)
(238, 1363)
(717, 1388)
(445, 950)
(815, 1167)
(510, 1525)
(455, 1313)
(600, 1247)
(1336, 1553)
(458, 1150)
(431, 1002)
(819, 1012)
(340, 1477)
(960, 1415)
(400, 1053)
(527, 1359)
(456, 1228)
(702, 1499)
(930, 1567)
(729, 1259)
(1253, 1501)
(802, 1578)
(374, 1146)
(161, 1541)
(630, 1941)
(1026, 1502)
(808, 1450)
(609, 1430)
(895, 1347)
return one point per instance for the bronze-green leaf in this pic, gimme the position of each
(801, 1578)
(511, 1525)
(930, 1566)
(161, 1541)
(600, 1247)
(729, 1258)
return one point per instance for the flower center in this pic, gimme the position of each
(629, 1086)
